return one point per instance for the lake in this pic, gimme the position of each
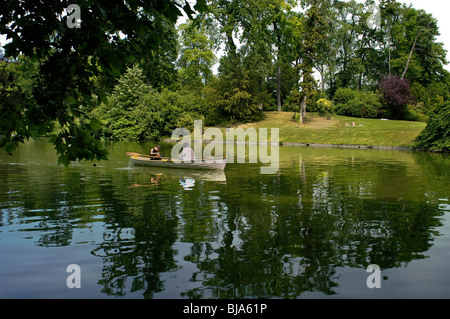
(310, 230)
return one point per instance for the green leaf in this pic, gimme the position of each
(201, 6)
(95, 124)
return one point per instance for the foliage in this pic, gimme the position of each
(356, 103)
(17, 105)
(396, 93)
(418, 56)
(343, 95)
(157, 61)
(196, 56)
(167, 110)
(325, 107)
(71, 58)
(117, 114)
(416, 112)
(134, 111)
(436, 136)
(76, 79)
(236, 95)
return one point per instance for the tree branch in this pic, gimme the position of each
(410, 56)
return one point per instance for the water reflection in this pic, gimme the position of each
(234, 234)
(187, 183)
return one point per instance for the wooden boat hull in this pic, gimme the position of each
(143, 160)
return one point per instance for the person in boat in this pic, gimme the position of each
(187, 154)
(155, 152)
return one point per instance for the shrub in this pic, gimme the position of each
(292, 103)
(356, 103)
(325, 107)
(416, 112)
(343, 95)
(436, 135)
(165, 111)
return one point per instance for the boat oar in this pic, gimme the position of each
(133, 154)
(142, 155)
(149, 156)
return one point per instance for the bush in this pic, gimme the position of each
(416, 112)
(292, 103)
(436, 135)
(236, 96)
(167, 110)
(325, 107)
(356, 103)
(343, 95)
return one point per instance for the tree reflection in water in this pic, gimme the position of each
(245, 235)
(277, 235)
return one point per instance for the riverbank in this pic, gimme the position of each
(340, 131)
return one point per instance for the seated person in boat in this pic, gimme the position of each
(187, 154)
(154, 152)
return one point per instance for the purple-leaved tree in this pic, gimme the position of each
(396, 93)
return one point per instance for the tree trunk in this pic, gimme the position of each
(360, 81)
(231, 44)
(410, 56)
(275, 28)
(302, 110)
(279, 88)
(389, 48)
(321, 70)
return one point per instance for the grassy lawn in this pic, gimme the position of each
(319, 130)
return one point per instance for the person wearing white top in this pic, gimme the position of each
(187, 154)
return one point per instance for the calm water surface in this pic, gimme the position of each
(308, 231)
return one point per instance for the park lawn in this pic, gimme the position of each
(319, 130)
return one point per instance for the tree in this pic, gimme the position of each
(16, 88)
(240, 91)
(396, 93)
(313, 32)
(417, 55)
(236, 95)
(226, 15)
(117, 115)
(158, 61)
(196, 56)
(281, 21)
(390, 12)
(70, 59)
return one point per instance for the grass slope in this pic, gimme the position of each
(319, 130)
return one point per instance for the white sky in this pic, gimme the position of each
(438, 8)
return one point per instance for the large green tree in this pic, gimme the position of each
(196, 56)
(118, 114)
(70, 56)
(240, 91)
(313, 32)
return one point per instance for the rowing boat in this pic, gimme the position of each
(147, 160)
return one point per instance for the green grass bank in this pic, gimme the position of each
(340, 130)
